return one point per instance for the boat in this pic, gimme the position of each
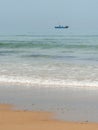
(61, 27)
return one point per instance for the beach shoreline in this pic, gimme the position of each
(38, 120)
(73, 105)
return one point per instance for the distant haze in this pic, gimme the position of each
(40, 16)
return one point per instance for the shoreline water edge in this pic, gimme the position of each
(27, 120)
(56, 73)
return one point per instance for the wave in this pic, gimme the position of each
(46, 45)
(26, 82)
(50, 42)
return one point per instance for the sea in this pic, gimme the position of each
(59, 72)
(49, 61)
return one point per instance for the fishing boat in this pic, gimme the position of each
(61, 27)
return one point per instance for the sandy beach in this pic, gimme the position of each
(32, 120)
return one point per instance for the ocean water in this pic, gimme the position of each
(57, 73)
(53, 61)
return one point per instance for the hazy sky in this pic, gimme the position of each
(40, 16)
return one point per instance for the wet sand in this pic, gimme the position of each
(73, 105)
(33, 120)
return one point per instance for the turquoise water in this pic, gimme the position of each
(49, 61)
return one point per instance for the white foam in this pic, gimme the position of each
(42, 82)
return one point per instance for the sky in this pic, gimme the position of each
(40, 16)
